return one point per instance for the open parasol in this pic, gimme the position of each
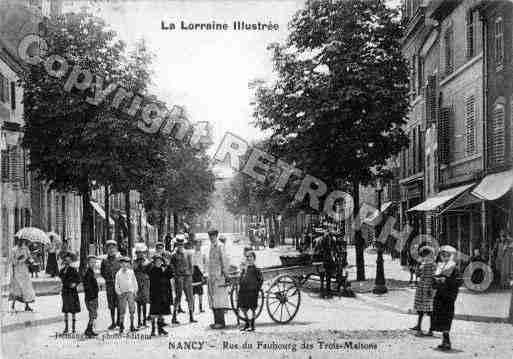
(33, 234)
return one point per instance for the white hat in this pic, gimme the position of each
(140, 247)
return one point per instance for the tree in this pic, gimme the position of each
(340, 100)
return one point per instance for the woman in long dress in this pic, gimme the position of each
(423, 303)
(51, 264)
(21, 289)
(446, 281)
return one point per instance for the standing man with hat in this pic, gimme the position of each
(181, 263)
(217, 273)
(108, 269)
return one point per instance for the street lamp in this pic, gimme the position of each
(380, 282)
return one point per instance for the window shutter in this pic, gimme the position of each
(13, 164)
(444, 135)
(470, 34)
(5, 165)
(13, 95)
(449, 60)
(470, 124)
(497, 138)
(431, 101)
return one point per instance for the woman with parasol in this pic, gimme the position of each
(21, 288)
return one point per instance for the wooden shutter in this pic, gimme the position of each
(448, 51)
(5, 165)
(431, 101)
(497, 136)
(444, 126)
(470, 34)
(470, 124)
(13, 95)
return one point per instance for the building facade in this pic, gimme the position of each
(459, 125)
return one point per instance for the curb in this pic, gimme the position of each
(464, 317)
(30, 323)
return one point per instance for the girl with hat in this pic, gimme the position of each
(70, 280)
(446, 281)
(423, 302)
(160, 293)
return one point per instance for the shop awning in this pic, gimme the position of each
(433, 203)
(494, 186)
(101, 212)
(462, 203)
(386, 206)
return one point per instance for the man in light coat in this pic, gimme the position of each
(218, 290)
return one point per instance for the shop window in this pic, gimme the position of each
(470, 125)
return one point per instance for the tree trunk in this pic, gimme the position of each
(107, 214)
(358, 240)
(86, 229)
(129, 224)
(276, 228)
(175, 222)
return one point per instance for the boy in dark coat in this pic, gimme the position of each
(91, 295)
(160, 293)
(250, 284)
(181, 263)
(70, 302)
(108, 270)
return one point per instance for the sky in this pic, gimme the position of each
(205, 71)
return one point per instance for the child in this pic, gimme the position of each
(91, 295)
(70, 302)
(160, 293)
(199, 264)
(250, 283)
(141, 267)
(126, 288)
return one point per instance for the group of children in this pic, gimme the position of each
(133, 285)
(148, 282)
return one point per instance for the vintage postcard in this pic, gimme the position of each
(256, 179)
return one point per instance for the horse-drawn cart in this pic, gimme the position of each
(281, 292)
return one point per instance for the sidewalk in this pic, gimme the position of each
(490, 306)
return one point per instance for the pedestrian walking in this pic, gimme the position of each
(91, 295)
(160, 293)
(21, 289)
(51, 263)
(249, 286)
(423, 303)
(446, 281)
(108, 269)
(181, 264)
(141, 267)
(199, 264)
(126, 289)
(69, 293)
(218, 291)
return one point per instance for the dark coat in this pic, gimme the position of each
(109, 268)
(443, 304)
(161, 295)
(90, 285)
(70, 301)
(250, 283)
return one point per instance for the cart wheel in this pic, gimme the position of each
(234, 302)
(283, 299)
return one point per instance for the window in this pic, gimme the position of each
(470, 34)
(420, 74)
(5, 165)
(448, 51)
(431, 100)
(499, 41)
(444, 135)
(413, 75)
(13, 95)
(470, 125)
(4, 89)
(497, 135)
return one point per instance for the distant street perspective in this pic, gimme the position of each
(256, 179)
